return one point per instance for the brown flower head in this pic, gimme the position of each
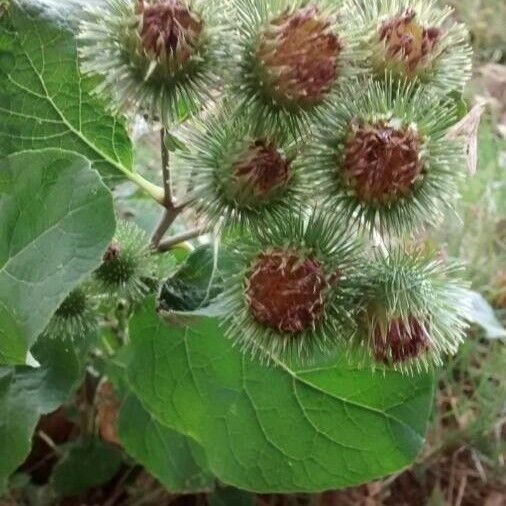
(381, 162)
(258, 174)
(403, 340)
(408, 42)
(285, 290)
(169, 30)
(297, 57)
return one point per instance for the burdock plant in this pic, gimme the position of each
(312, 144)
(323, 125)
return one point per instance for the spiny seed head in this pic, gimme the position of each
(238, 172)
(169, 32)
(297, 57)
(407, 43)
(117, 268)
(292, 56)
(381, 162)
(285, 290)
(401, 340)
(74, 304)
(414, 41)
(289, 289)
(415, 308)
(382, 158)
(75, 317)
(127, 264)
(160, 58)
(257, 174)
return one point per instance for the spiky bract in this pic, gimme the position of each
(128, 265)
(157, 57)
(414, 40)
(75, 318)
(292, 56)
(381, 159)
(239, 174)
(415, 309)
(291, 290)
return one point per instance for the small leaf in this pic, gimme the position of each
(57, 220)
(174, 459)
(483, 315)
(276, 429)
(46, 102)
(195, 284)
(26, 393)
(87, 463)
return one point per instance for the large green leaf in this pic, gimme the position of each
(276, 428)
(57, 219)
(26, 393)
(45, 101)
(175, 460)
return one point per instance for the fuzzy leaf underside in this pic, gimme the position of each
(26, 393)
(44, 99)
(57, 219)
(174, 459)
(276, 429)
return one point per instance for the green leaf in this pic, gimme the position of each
(57, 219)
(277, 429)
(194, 284)
(87, 463)
(26, 393)
(174, 459)
(46, 102)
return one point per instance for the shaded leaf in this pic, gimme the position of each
(278, 428)
(87, 463)
(26, 393)
(57, 220)
(174, 459)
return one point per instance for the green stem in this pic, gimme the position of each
(176, 240)
(152, 189)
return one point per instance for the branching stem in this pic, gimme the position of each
(171, 242)
(171, 211)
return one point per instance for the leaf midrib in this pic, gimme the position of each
(77, 132)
